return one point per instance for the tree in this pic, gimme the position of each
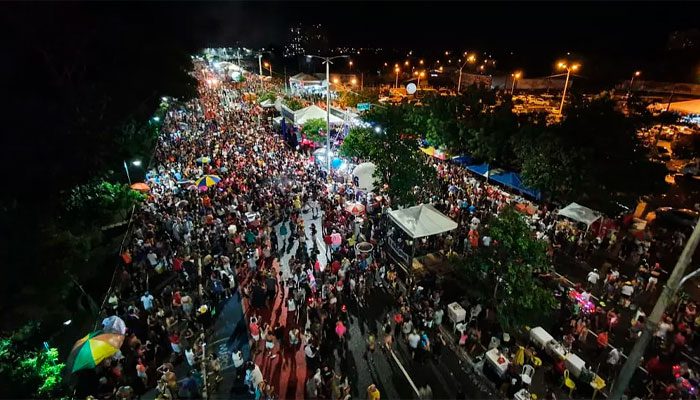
(349, 98)
(394, 150)
(312, 129)
(26, 370)
(293, 103)
(509, 266)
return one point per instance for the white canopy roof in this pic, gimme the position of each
(422, 220)
(365, 175)
(580, 213)
(312, 112)
(305, 78)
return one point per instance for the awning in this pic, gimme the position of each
(512, 180)
(422, 220)
(314, 112)
(481, 169)
(580, 213)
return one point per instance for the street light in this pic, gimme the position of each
(515, 76)
(470, 59)
(420, 62)
(397, 70)
(135, 163)
(327, 61)
(568, 68)
(636, 74)
(406, 63)
(350, 64)
(419, 75)
(353, 81)
(268, 65)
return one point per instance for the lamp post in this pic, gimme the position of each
(470, 60)
(327, 61)
(269, 66)
(515, 77)
(419, 74)
(397, 70)
(135, 163)
(636, 74)
(568, 68)
(260, 65)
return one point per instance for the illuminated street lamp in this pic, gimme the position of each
(327, 61)
(350, 64)
(470, 60)
(420, 62)
(353, 81)
(406, 63)
(635, 75)
(397, 70)
(568, 68)
(516, 75)
(419, 75)
(135, 163)
(269, 66)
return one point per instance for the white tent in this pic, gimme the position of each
(580, 213)
(313, 112)
(365, 176)
(422, 220)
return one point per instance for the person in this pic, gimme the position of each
(593, 278)
(237, 359)
(612, 360)
(147, 301)
(373, 392)
(413, 340)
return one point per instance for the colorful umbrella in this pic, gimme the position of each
(355, 209)
(141, 187)
(203, 160)
(207, 181)
(91, 350)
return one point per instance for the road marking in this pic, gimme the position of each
(413, 385)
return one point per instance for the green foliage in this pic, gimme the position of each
(28, 371)
(394, 151)
(269, 95)
(312, 130)
(101, 201)
(350, 99)
(507, 268)
(293, 103)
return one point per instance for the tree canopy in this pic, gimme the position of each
(507, 269)
(393, 147)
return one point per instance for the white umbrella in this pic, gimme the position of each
(365, 176)
(114, 324)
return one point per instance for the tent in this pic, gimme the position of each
(313, 112)
(267, 103)
(365, 176)
(512, 180)
(464, 160)
(580, 213)
(305, 79)
(481, 169)
(422, 220)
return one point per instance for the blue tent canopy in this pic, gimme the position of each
(512, 180)
(480, 169)
(464, 160)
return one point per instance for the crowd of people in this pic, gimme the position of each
(193, 246)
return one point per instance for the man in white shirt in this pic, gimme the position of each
(147, 301)
(593, 278)
(413, 340)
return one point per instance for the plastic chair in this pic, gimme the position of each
(526, 375)
(570, 384)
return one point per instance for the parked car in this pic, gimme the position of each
(691, 168)
(674, 217)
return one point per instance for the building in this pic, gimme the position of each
(305, 39)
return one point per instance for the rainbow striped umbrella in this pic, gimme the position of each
(91, 350)
(207, 181)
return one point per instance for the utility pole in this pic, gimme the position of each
(675, 281)
(260, 65)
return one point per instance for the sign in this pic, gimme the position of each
(363, 106)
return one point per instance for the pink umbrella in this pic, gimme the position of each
(355, 209)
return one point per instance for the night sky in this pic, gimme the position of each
(612, 39)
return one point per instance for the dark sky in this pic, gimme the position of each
(615, 36)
